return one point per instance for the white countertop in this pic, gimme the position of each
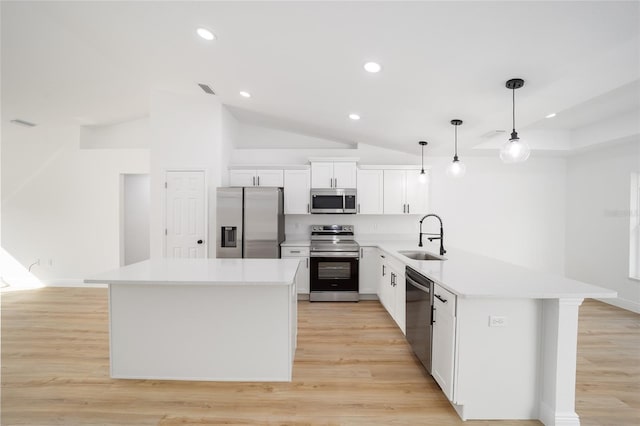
(471, 275)
(203, 272)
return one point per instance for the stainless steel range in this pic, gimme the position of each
(334, 264)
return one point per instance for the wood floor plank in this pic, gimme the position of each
(353, 367)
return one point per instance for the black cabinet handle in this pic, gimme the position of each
(200, 241)
(440, 298)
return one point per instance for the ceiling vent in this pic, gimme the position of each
(23, 123)
(206, 89)
(493, 133)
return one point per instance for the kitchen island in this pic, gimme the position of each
(203, 319)
(504, 336)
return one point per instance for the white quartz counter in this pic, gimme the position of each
(471, 275)
(203, 272)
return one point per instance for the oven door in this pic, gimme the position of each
(334, 272)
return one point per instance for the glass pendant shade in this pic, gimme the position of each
(514, 151)
(422, 178)
(456, 169)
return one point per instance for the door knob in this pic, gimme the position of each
(200, 241)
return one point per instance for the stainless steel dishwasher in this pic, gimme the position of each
(419, 306)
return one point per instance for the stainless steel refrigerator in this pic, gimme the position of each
(250, 222)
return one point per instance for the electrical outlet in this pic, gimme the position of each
(497, 321)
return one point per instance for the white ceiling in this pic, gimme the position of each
(97, 62)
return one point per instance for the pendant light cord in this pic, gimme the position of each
(513, 103)
(422, 146)
(456, 143)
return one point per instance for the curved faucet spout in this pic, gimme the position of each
(441, 237)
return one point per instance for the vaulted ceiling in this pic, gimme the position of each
(98, 62)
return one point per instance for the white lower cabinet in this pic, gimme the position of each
(443, 344)
(392, 291)
(302, 253)
(369, 270)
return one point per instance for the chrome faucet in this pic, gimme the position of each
(440, 237)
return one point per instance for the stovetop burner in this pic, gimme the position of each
(335, 238)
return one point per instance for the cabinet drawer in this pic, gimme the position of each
(444, 300)
(295, 251)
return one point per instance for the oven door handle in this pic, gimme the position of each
(335, 254)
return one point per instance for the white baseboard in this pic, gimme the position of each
(629, 305)
(72, 283)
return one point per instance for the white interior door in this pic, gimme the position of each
(185, 219)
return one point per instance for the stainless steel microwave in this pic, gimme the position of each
(333, 201)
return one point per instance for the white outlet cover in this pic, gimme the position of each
(497, 321)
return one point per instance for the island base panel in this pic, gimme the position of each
(196, 332)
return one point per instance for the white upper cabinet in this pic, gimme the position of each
(296, 191)
(417, 193)
(344, 175)
(333, 174)
(394, 191)
(242, 177)
(322, 175)
(404, 193)
(370, 192)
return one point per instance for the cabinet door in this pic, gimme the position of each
(369, 270)
(303, 277)
(400, 300)
(296, 191)
(321, 175)
(344, 175)
(269, 178)
(417, 193)
(394, 190)
(387, 295)
(370, 191)
(443, 345)
(303, 287)
(242, 177)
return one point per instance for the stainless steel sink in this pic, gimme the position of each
(420, 255)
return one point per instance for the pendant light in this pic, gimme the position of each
(457, 168)
(515, 150)
(423, 176)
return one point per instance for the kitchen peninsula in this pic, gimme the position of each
(506, 339)
(203, 319)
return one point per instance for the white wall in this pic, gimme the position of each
(126, 134)
(597, 231)
(511, 212)
(60, 204)
(185, 135)
(229, 136)
(135, 220)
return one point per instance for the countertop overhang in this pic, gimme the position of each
(264, 272)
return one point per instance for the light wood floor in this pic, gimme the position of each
(352, 366)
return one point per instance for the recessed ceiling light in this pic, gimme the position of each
(553, 114)
(372, 67)
(354, 117)
(205, 34)
(245, 94)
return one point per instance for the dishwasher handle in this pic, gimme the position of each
(418, 285)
